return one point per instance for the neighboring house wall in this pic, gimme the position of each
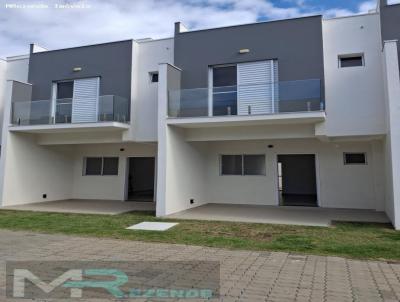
(390, 21)
(17, 68)
(295, 43)
(354, 95)
(144, 102)
(14, 68)
(111, 62)
(105, 187)
(3, 73)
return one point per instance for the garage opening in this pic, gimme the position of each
(141, 176)
(297, 181)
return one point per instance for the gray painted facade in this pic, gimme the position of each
(110, 61)
(390, 21)
(295, 43)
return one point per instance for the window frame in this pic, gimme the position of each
(152, 74)
(350, 56)
(242, 167)
(264, 167)
(84, 172)
(357, 164)
(84, 166)
(221, 166)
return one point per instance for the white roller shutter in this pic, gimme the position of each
(85, 100)
(257, 87)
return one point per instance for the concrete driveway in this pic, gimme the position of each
(311, 216)
(245, 275)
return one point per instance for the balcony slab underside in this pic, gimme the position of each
(69, 128)
(249, 120)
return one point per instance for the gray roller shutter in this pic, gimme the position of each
(257, 89)
(85, 100)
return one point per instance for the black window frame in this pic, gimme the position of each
(242, 168)
(222, 156)
(224, 89)
(68, 84)
(153, 75)
(346, 162)
(344, 58)
(101, 173)
(85, 166)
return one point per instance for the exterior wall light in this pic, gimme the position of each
(76, 69)
(244, 50)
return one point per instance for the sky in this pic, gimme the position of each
(66, 23)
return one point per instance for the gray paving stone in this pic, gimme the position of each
(244, 275)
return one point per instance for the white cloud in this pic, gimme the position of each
(367, 6)
(124, 19)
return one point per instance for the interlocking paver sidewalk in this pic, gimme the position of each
(245, 275)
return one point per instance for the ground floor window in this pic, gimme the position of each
(243, 164)
(355, 158)
(100, 166)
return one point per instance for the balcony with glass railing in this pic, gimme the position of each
(247, 100)
(111, 108)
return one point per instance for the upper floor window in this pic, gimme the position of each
(351, 60)
(224, 79)
(391, 2)
(65, 89)
(154, 77)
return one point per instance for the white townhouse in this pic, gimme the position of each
(300, 112)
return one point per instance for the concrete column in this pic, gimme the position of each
(169, 77)
(392, 95)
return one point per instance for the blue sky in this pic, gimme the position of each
(66, 23)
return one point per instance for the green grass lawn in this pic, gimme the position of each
(354, 240)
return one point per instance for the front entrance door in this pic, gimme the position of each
(141, 178)
(297, 180)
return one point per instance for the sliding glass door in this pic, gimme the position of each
(224, 90)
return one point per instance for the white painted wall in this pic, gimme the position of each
(185, 172)
(147, 56)
(354, 96)
(108, 187)
(32, 170)
(340, 186)
(17, 68)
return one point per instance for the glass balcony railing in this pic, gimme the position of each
(113, 108)
(250, 99)
(110, 108)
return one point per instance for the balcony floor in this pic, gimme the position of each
(62, 128)
(312, 117)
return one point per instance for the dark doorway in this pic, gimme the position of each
(141, 178)
(297, 180)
